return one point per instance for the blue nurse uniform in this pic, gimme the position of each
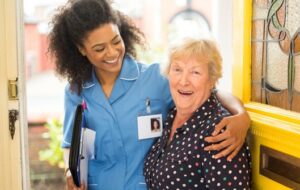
(119, 155)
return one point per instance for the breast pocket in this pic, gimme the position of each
(141, 184)
(154, 105)
(101, 175)
(95, 178)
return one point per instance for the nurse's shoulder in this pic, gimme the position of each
(151, 72)
(72, 98)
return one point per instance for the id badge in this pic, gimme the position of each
(149, 126)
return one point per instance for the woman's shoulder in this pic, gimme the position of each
(152, 69)
(130, 61)
(149, 68)
(143, 70)
(219, 109)
(151, 73)
(71, 93)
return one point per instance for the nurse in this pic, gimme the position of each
(93, 46)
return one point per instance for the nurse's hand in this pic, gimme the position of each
(232, 139)
(72, 186)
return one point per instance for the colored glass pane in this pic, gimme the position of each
(276, 53)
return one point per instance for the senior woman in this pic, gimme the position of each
(178, 159)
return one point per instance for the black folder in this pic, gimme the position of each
(75, 154)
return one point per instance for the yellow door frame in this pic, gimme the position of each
(272, 127)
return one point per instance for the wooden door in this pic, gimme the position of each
(14, 173)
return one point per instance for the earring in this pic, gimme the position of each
(214, 90)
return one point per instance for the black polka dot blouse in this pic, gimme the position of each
(183, 163)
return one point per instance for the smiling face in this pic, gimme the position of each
(104, 47)
(190, 83)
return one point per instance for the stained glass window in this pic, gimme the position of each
(276, 53)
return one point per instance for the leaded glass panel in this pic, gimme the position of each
(276, 53)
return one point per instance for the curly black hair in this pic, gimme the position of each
(69, 28)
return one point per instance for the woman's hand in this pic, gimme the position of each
(69, 180)
(232, 139)
(71, 186)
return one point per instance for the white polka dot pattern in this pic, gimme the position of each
(183, 164)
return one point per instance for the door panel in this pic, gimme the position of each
(13, 160)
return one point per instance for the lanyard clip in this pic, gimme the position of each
(148, 109)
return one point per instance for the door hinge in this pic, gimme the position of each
(13, 89)
(13, 117)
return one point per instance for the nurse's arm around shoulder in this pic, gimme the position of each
(69, 180)
(237, 125)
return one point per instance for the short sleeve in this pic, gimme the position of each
(71, 101)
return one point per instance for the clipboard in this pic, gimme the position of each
(76, 145)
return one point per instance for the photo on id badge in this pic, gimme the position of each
(155, 125)
(149, 126)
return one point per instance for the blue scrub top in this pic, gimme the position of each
(119, 155)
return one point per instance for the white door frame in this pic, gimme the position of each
(14, 163)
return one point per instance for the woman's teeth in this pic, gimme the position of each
(185, 92)
(112, 61)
